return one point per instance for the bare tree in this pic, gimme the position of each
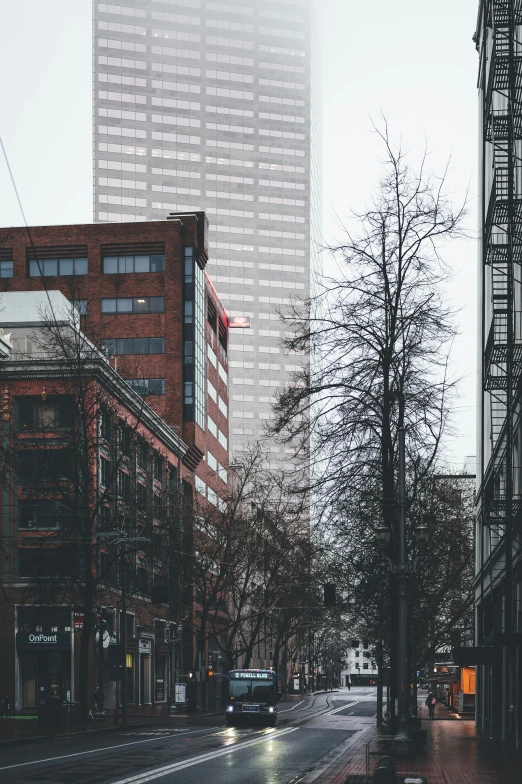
(379, 333)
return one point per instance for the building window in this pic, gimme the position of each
(133, 305)
(159, 468)
(81, 306)
(54, 413)
(43, 514)
(147, 386)
(193, 340)
(119, 346)
(365, 666)
(6, 269)
(123, 484)
(51, 267)
(127, 264)
(212, 314)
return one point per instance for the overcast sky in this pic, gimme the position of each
(413, 60)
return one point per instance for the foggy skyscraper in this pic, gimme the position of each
(212, 105)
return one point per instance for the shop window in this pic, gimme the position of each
(160, 692)
(130, 679)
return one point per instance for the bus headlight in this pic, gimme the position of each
(270, 710)
(230, 708)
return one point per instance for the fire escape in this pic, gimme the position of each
(502, 256)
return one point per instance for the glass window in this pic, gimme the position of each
(128, 264)
(50, 267)
(81, 306)
(110, 264)
(133, 305)
(157, 346)
(157, 263)
(114, 347)
(66, 266)
(108, 306)
(156, 386)
(80, 267)
(156, 304)
(141, 264)
(124, 305)
(6, 269)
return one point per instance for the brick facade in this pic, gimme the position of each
(169, 237)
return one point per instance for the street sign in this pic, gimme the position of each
(106, 638)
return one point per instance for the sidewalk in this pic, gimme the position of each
(456, 753)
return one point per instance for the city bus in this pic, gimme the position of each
(252, 696)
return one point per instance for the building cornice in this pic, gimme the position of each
(98, 369)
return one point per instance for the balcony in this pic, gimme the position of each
(502, 340)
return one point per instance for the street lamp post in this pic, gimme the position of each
(403, 745)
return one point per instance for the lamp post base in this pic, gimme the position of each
(403, 746)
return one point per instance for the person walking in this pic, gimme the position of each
(349, 684)
(431, 701)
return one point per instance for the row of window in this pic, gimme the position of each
(119, 346)
(229, 43)
(79, 266)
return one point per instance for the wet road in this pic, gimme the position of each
(304, 735)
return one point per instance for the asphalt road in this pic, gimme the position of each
(210, 752)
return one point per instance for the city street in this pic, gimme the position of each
(307, 733)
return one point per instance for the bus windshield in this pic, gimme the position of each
(251, 691)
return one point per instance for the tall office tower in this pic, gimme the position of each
(212, 105)
(498, 596)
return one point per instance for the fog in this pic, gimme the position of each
(414, 61)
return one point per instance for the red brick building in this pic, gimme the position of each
(143, 298)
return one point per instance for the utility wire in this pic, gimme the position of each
(28, 230)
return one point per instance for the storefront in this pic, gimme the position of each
(44, 667)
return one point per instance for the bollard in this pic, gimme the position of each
(385, 771)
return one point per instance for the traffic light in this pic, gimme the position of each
(210, 666)
(329, 595)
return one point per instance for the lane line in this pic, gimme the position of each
(343, 707)
(142, 778)
(105, 748)
(291, 709)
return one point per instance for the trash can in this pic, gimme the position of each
(51, 712)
